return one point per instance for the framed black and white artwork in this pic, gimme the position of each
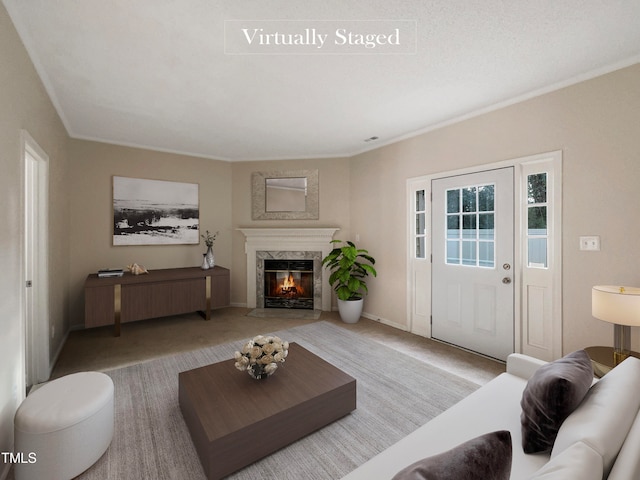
(154, 212)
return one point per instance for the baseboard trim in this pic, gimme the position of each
(379, 319)
(54, 360)
(385, 321)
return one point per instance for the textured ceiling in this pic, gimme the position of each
(155, 74)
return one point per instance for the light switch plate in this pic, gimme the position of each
(591, 244)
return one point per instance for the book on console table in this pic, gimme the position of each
(110, 272)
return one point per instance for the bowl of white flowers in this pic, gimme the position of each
(261, 355)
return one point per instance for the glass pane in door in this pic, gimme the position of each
(421, 227)
(537, 222)
(470, 231)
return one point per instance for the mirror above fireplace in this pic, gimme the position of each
(285, 195)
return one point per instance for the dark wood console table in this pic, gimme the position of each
(159, 293)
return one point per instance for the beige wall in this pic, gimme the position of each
(92, 167)
(596, 124)
(24, 104)
(333, 185)
(225, 205)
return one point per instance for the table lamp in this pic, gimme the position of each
(620, 306)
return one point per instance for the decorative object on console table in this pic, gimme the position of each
(136, 269)
(205, 264)
(348, 272)
(260, 356)
(210, 258)
(208, 241)
(110, 272)
(620, 306)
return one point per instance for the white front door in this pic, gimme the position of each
(472, 262)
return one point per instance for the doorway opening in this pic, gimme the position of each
(534, 274)
(35, 261)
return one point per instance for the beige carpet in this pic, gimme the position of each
(396, 394)
(98, 349)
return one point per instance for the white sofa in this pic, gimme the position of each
(599, 440)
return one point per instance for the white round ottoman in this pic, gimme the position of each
(64, 427)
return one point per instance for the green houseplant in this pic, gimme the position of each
(349, 267)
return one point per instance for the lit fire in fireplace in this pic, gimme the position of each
(288, 283)
(289, 287)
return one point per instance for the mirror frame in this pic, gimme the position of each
(259, 196)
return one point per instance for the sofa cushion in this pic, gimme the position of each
(551, 394)
(578, 461)
(604, 418)
(487, 457)
(628, 461)
(523, 366)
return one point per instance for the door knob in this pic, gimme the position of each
(506, 266)
(506, 280)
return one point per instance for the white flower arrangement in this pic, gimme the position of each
(260, 356)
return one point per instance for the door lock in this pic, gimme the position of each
(506, 280)
(506, 266)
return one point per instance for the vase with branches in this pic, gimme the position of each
(209, 238)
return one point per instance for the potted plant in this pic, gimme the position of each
(349, 267)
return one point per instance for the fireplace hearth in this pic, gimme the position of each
(288, 284)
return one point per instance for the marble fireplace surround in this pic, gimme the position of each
(294, 243)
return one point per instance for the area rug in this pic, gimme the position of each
(395, 395)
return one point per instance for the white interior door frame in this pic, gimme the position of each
(545, 323)
(35, 272)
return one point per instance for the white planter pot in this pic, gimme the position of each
(350, 310)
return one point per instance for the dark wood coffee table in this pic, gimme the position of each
(235, 420)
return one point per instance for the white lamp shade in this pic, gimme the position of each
(619, 305)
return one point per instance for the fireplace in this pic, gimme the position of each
(287, 244)
(289, 279)
(288, 284)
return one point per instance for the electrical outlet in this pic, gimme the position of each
(591, 244)
(53, 331)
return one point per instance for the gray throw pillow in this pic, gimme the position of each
(551, 394)
(487, 457)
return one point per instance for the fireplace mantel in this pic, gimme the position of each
(286, 239)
